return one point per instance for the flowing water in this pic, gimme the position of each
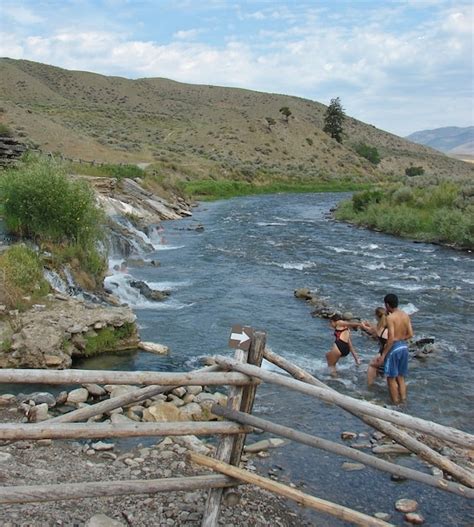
(244, 267)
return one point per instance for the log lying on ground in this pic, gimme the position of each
(102, 489)
(82, 414)
(306, 500)
(45, 430)
(429, 427)
(122, 377)
(401, 437)
(342, 450)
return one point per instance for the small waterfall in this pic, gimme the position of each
(55, 281)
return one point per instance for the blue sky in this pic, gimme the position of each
(402, 65)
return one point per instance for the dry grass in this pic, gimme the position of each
(215, 132)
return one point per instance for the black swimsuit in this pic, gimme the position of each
(342, 346)
(382, 341)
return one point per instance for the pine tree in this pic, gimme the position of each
(333, 119)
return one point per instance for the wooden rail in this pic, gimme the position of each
(243, 379)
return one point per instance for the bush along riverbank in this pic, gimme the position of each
(439, 213)
(63, 226)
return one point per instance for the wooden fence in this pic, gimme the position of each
(242, 375)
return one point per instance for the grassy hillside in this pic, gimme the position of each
(198, 131)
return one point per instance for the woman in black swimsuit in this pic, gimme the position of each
(380, 332)
(342, 344)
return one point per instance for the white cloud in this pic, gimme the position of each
(189, 34)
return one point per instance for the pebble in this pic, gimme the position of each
(406, 505)
(101, 446)
(348, 435)
(382, 516)
(414, 518)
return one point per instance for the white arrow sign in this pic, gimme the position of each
(241, 337)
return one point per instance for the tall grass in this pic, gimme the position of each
(207, 189)
(440, 213)
(107, 170)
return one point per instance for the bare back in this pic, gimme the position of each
(399, 325)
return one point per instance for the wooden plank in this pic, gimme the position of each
(342, 450)
(25, 376)
(101, 489)
(224, 451)
(82, 414)
(255, 357)
(45, 430)
(429, 427)
(401, 437)
(338, 511)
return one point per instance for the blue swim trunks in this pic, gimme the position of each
(396, 362)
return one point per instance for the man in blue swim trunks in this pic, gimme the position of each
(395, 353)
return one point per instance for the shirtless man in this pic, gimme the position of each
(395, 352)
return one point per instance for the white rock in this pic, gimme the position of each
(191, 442)
(382, 516)
(120, 418)
(38, 413)
(151, 347)
(191, 412)
(390, 449)
(101, 446)
(414, 518)
(95, 390)
(352, 466)
(194, 390)
(79, 395)
(179, 392)
(265, 444)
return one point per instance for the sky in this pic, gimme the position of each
(401, 65)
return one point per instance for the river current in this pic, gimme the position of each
(243, 268)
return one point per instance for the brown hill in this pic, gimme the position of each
(207, 130)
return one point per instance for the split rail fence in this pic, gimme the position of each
(242, 375)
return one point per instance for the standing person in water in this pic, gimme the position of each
(342, 345)
(380, 332)
(395, 352)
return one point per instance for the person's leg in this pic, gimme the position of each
(371, 373)
(402, 388)
(332, 357)
(393, 389)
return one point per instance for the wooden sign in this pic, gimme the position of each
(240, 337)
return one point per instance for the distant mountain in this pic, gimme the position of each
(194, 131)
(450, 139)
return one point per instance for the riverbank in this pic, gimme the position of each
(46, 463)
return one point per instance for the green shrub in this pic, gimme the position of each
(368, 152)
(108, 339)
(414, 171)
(361, 200)
(38, 200)
(21, 275)
(402, 195)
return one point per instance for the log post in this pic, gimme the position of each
(255, 357)
(224, 451)
(401, 437)
(306, 500)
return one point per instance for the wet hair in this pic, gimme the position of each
(381, 315)
(335, 317)
(391, 300)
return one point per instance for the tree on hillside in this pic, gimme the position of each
(334, 119)
(286, 112)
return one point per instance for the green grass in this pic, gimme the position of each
(21, 277)
(440, 213)
(108, 339)
(208, 190)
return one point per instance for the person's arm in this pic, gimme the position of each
(353, 351)
(409, 329)
(369, 328)
(390, 338)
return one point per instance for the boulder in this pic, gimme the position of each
(37, 398)
(191, 412)
(79, 395)
(38, 413)
(95, 390)
(148, 292)
(162, 412)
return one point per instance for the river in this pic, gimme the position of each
(243, 268)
